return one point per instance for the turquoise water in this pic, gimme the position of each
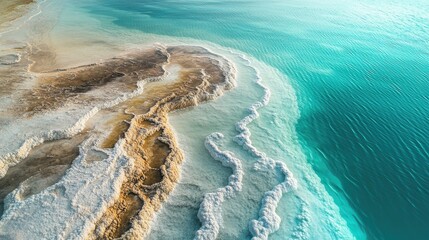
(359, 71)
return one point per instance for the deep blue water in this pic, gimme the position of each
(361, 72)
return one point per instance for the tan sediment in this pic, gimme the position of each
(56, 88)
(120, 125)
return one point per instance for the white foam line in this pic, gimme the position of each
(210, 212)
(268, 221)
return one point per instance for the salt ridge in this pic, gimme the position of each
(210, 212)
(268, 221)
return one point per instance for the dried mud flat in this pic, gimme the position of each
(140, 121)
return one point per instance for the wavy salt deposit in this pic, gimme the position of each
(268, 221)
(313, 197)
(210, 212)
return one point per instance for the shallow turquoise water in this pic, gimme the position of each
(360, 71)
